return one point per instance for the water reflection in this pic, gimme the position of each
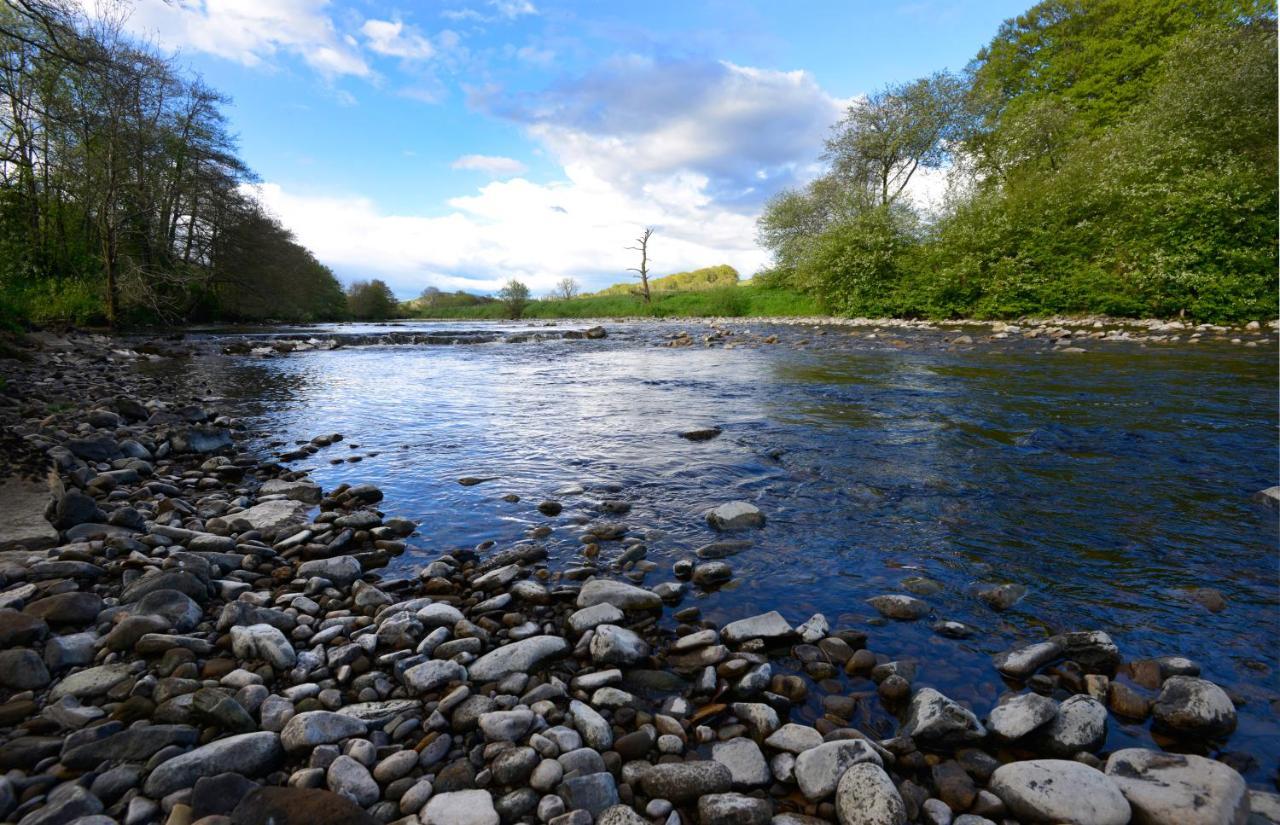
(1108, 484)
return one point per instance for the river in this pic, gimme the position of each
(1109, 482)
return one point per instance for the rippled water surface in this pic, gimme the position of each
(1109, 482)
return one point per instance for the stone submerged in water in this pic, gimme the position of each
(1002, 596)
(712, 574)
(899, 606)
(735, 515)
(1171, 787)
(1058, 791)
(1194, 707)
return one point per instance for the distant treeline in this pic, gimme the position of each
(1114, 156)
(122, 198)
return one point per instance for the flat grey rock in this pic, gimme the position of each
(769, 626)
(1057, 790)
(22, 521)
(524, 656)
(819, 769)
(248, 754)
(319, 727)
(1021, 715)
(1182, 788)
(620, 595)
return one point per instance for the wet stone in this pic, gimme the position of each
(733, 809)
(1194, 707)
(1183, 788)
(686, 781)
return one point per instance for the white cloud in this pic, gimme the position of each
(252, 32)
(501, 10)
(692, 149)
(495, 165)
(539, 233)
(749, 131)
(393, 39)
(513, 8)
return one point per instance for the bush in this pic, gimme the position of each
(854, 268)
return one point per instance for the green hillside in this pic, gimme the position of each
(697, 280)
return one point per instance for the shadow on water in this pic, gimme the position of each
(1109, 483)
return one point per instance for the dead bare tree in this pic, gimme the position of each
(566, 289)
(643, 271)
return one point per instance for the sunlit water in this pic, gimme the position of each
(1108, 482)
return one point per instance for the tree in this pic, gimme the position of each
(886, 138)
(371, 300)
(642, 272)
(515, 296)
(121, 195)
(566, 289)
(429, 297)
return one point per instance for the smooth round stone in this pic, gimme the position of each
(1059, 791)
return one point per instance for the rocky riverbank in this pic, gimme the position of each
(190, 632)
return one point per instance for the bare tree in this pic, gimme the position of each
(643, 271)
(566, 289)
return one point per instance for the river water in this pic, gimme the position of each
(1108, 482)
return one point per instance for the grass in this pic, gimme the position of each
(730, 301)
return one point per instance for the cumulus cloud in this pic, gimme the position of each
(748, 131)
(495, 165)
(394, 39)
(690, 148)
(253, 32)
(578, 227)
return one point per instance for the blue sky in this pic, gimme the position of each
(457, 144)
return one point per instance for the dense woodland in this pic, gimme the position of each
(122, 198)
(1113, 156)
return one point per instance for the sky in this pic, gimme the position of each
(461, 143)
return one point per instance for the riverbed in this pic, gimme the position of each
(1117, 482)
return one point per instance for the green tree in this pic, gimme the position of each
(515, 297)
(121, 193)
(885, 138)
(371, 301)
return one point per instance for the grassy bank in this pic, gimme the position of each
(735, 302)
